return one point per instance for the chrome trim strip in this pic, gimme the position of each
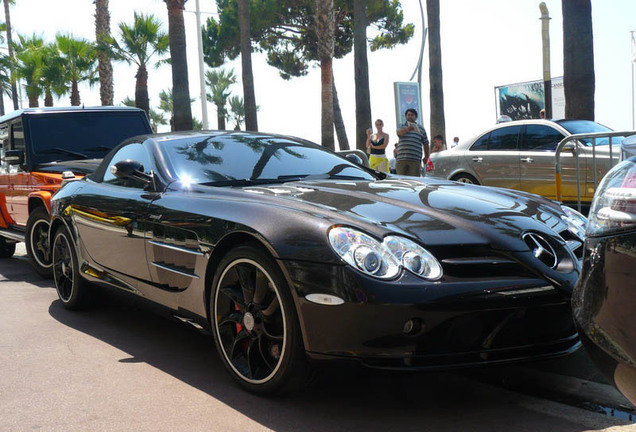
(174, 270)
(477, 261)
(175, 248)
(526, 291)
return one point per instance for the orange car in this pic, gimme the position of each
(39, 148)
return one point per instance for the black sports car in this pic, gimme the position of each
(288, 252)
(604, 299)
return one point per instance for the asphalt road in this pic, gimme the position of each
(120, 367)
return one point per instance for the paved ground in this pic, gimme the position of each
(120, 367)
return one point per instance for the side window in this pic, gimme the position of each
(541, 138)
(134, 151)
(481, 144)
(504, 139)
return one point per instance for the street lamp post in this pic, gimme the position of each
(204, 101)
(547, 80)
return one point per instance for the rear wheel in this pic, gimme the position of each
(256, 329)
(7, 249)
(37, 241)
(71, 288)
(465, 178)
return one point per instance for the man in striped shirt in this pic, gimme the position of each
(412, 140)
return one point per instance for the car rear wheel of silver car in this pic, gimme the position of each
(7, 249)
(71, 288)
(37, 241)
(465, 178)
(255, 325)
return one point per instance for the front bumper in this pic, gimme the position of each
(413, 324)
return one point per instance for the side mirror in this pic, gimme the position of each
(131, 169)
(14, 157)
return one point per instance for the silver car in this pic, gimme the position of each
(521, 155)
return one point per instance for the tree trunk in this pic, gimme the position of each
(338, 122)
(48, 98)
(14, 88)
(75, 96)
(438, 122)
(220, 117)
(325, 34)
(105, 67)
(180, 87)
(249, 98)
(361, 74)
(578, 59)
(141, 90)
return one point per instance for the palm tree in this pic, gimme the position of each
(361, 74)
(53, 74)
(30, 55)
(105, 67)
(181, 91)
(156, 118)
(578, 59)
(80, 60)
(138, 45)
(438, 120)
(220, 82)
(237, 111)
(251, 122)
(325, 31)
(7, 19)
(6, 69)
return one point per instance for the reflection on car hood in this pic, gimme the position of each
(437, 212)
(84, 166)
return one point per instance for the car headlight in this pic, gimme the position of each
(577, 223)
(383, 259)
(614, 206)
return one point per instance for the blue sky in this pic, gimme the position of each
(485, 44)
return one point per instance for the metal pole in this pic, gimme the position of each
(204, 101)
(547, 79)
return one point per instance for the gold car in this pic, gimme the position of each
(521, 155)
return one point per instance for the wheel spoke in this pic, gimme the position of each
(234, 294)
(273, 308)
(232, 319)
(246, 278)
(262, 287)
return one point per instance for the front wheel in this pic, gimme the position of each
(37, 241)
(254, 322)
(71, 288)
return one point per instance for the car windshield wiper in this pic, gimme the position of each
(65, 151)
(105, 148)
(325, 176)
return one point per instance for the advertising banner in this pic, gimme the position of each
(407, 95)
(525, 100)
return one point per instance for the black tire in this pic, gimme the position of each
(254, 323)
(7, 249)
(465, 178)
(71, 287)
(37, 242)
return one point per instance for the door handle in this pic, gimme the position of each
(527, 159)
(478, 159)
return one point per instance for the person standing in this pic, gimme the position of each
(455, 142)
(412, 143)
(376, 145)
(437, 144)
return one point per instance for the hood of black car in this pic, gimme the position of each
(434, 211)
(84, 166)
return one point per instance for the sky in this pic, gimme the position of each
(485, 44)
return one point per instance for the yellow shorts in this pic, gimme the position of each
(380, 163)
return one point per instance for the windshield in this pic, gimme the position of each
(82, 135)
(586, 127)
(243, 160)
